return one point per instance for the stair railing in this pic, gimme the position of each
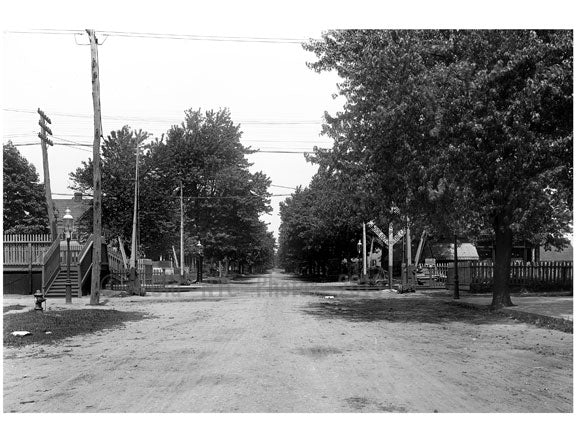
(50, 265)
(85, 263)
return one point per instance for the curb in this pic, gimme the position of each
(560, 324)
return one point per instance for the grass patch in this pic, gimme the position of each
(62, 324)
(428, 311)
(7, 308)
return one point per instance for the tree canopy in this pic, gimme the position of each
(222, 198)
(23, 196)
(464, 131)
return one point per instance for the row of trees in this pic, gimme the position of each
(24, 203)
(462, 131)
(222, 198)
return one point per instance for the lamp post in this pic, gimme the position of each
(68, 226)
(359, 249)
(456, 282)
(200, 248)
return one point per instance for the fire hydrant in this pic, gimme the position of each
(39, 300)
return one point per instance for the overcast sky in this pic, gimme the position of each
(148, 82)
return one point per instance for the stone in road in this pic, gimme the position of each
(253, 348)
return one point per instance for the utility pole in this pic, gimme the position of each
(456, 279)
(97, 199)
(408, 243)
(134, 286)
(390, 253)
(44, 140)
(364, 251)
(181, 233)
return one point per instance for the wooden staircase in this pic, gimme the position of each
(58, 287)
(54, 273)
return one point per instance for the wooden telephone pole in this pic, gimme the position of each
(456, 281)
(44, 140)
(181, 233)
(97, 199)
(134, 280)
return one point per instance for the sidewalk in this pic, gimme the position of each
(561, 308)
(552, 311)
(556, 312)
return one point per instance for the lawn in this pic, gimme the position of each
(14, 307)
(49, 326)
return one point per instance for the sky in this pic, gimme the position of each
(149, 81)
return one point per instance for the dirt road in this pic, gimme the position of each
(264, 346)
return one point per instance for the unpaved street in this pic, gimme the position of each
(255, 348)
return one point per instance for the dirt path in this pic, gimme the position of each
(252, 349)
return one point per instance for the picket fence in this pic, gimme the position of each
(543, 274)
(23, 250)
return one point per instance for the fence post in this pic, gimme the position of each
(30, 282)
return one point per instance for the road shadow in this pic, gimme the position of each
(433, 311)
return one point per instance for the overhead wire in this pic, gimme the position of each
(166, 36)
(165, 120)
(106, 34)
(78, 146)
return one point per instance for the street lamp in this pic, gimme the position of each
(68, 227)
(200, 248)
(359, 248)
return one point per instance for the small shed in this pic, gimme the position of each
(444, 252)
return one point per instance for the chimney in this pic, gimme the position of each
(77, 196)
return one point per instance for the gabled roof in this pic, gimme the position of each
(77, 205)
(557, 255)
(445, 251)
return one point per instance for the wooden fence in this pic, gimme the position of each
(75, 250)
(441, 268)
(50, 265)
(36, 237)
(24, 250)
(542, 275)
(116, 261)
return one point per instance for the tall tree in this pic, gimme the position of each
(157, 212)
(463, 129)
(222, 198)
(323, 221)
(23, 196)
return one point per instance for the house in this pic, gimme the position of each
(444, 252)
(556, 255)
(524, 251)
(24, 265)
(78, 206)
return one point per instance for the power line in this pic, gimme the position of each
(287, 141)
(79, 146)
(45, 31)
(284, 151)
(282, 187)
(71, 145)
(158, 120)
(167, 36)
(198, 197)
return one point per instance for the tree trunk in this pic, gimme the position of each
(503, 255)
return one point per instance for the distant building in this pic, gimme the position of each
(444, 252)
(556, 255)
(524, 251)
(78, 208)
(521, 250)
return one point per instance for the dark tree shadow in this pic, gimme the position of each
(433, 311)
